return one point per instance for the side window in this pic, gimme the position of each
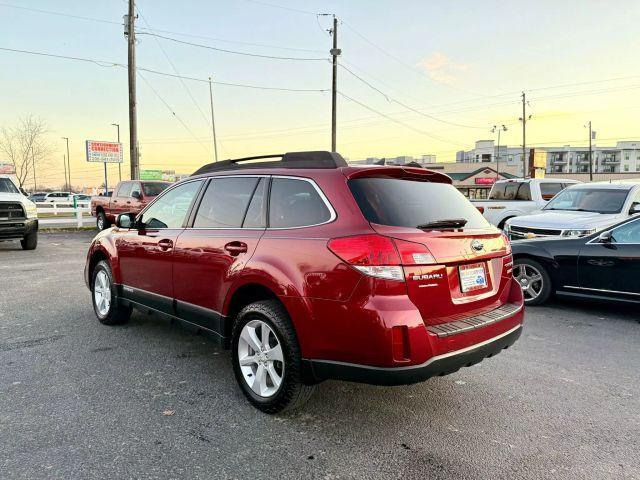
(170, 210)
(511, 190)
(124, 190)
(524, 192)
(497, 192)
(225, 202)
(135, 187)
(627, 233)
(255, 216)
(295, 203)
(549, 190)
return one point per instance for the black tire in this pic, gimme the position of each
(102, 222)
(501, 224)
(547, 287)
(292, 393)
(116, 314)
(30, 241)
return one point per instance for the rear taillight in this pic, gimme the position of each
(507, 243)
(380, 256)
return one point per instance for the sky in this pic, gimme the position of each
(417, 76)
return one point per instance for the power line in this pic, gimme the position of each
(393, 100)
(60, 14)
(175, 115)
(234, 52)
(281, 7)
(105, 63)
(399, 122)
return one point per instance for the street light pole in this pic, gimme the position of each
(68, 164)
(117, 125)
(501, 128)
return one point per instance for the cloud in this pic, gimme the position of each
(442, 69)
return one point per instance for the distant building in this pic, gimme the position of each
(623, 158)
(401, 160)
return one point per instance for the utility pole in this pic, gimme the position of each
(213, 123)
(117, 125)
(524, 119)
(130, 33)
(335, 51)
(501, 128)
(64, 162)
(69, 164)
(590, 154)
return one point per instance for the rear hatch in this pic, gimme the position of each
(455, 264)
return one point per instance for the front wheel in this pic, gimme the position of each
(266, 358)
(105, 300)
(30, 241)
(533, 279)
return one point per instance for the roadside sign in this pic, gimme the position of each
(150, 174)
(485, 180)
(7, 168)
(104, 152)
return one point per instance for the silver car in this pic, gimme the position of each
(579, 210)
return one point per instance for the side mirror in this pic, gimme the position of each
(635, 208)
(137, 195)
(605, 237)
(125, 220)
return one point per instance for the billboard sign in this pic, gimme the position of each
(104, 152)
(150, 174)
(7, 168)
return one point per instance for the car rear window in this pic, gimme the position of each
(409, 203)
(154, 189)
(549, 190)
(510, 191)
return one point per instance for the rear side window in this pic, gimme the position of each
(549, 190)
(154, 189)
(296, 203)
(409, 203)
(125, 190)
(225, 202)
(524, 192)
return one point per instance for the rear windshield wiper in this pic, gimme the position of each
(448, 223)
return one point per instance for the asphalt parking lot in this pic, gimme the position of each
(82, 400)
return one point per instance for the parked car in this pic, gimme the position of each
(37, 197)
(511, 198)
(309, 269)
(578, 211)
(79, 197)
(18, 216)
(128, 197)
(604, 265)
(58, 197)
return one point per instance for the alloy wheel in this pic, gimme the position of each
(102, 293)
(530, 280)
(261, 359)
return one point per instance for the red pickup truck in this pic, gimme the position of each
(130, 196)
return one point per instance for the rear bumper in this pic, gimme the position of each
(17, 229)
(444, 364)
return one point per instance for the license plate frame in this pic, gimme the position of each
(473, 277)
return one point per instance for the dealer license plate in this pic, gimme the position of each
(472, 277)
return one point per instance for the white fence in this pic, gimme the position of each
(64, 215)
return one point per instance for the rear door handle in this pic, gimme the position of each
(235, 248)
(165, 245)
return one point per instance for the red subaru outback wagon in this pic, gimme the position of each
(309, 269)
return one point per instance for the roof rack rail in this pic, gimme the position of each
(317, 159)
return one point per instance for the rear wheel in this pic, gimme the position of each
(30, 241)
(102, 222)
(533, 279)
(103, 295)
(266, 358)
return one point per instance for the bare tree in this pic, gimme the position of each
(26, 147)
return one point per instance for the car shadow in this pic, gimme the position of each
(622, 311)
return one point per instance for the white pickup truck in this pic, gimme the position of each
(511, 198)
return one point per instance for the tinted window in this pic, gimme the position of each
(627, 233)
(408, 203)
(549, 190)
(225, 202)
(589, 200)
(154, 189)
(510, 191)
(255, 216)
(497, 192)
(170, 210)
(524, 192)
(295, 203)
(125, 190)
(7, 186)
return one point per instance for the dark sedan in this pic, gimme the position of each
(604, 265)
